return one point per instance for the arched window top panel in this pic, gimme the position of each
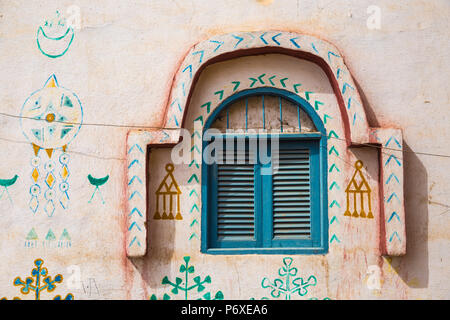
(271, 109)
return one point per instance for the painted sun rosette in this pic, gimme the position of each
(50, 118)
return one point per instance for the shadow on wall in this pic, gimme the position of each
(159, 255)
(413, 267)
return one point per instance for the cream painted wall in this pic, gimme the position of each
(121, 64)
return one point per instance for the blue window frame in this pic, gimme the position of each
(245, 211)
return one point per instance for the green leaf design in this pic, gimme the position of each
(207, 296)
(219, 295)
(165, 280)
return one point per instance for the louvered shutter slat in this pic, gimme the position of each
(291, 195)
(235, 197)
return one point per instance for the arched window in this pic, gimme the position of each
(264, 176)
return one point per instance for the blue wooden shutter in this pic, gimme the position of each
(236, 198)
(291, 195)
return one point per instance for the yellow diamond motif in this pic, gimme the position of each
(50, 179)
(35, 174)
(65, 173)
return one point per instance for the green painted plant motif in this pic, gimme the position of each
(39, 282)
(289, 284)
(186, 287)
(165, 297)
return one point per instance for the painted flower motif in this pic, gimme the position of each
(35, 162)
(64, 158)
(63, 186)
(49, 166)
(50, 194)
(35, 190)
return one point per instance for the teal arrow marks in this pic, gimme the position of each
(134, 224)
(219, 44)
(333, 203)
(395, 140)
(177, 101)
(307, 93)
(175, 120)
(135, 193)
(394, 214)
(134, 241)
(193, 235)
(325, 117)
(189, 67)
(292, 40)
(134, 178)
(334, 167)
(237, 38)
(394, 234)
(392, 176)
(270, 80)
(333, 134)
(392, 196)
(137, 147)
(333, 219)
(220, 93)
(199, 119)
(392, 156)
(254, 80)
(317, 104)
(166, 136)
(201, 53)
(260, 78)
(345, 86)
(262, 38)
(194, 207)
(134, 162)
(274, 38)
(236, 85)
(282, 81)
(135, 210)
(333, 185)
(194, 176)
(196, 133)
(193, 192)
(295, 86)
(334, 238)
(194, 162)
(194, 147)
(333, 150)
(207, 105)
(331, 53)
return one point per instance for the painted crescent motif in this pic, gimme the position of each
(54, 47)
(8, 182)
(97, 181)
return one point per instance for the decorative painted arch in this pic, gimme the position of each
(306, 47)
(240, 44)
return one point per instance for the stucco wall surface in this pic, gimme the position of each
(118, 72)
